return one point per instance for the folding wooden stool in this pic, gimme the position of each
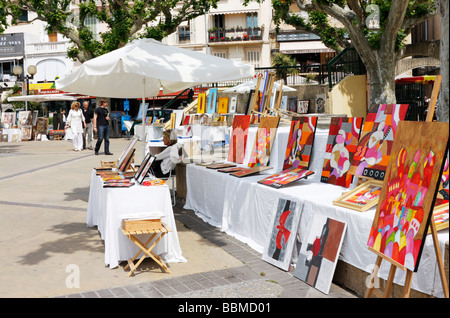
(145, 227)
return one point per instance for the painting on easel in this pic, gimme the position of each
(372, 153)
(343, 138)
(300, 142)
(265, 136)
(409, 190)
(238, 140)
(280, 244)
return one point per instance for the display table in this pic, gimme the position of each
(244, 209)
(107, 205)
(206, 135)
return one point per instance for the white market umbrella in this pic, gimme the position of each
(249, 85)
(142, 67)
(41, 98)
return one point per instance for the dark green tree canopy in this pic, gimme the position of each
(125, 20)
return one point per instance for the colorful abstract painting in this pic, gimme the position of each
(286, 177)
(443, 188)
(238, 140)
(201, 102)
(341, 145)
(400, 224)
(375, 144)
(362, 198)
(233, 104)
(300, 142)
(222, 107)
(265, 136)
(282, 235)
(319, 252)
(212, 100)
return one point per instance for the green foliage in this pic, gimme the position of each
(125, 20)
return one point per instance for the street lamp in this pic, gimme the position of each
(32, 70)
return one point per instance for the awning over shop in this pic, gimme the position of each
(302, 47)
(426, 79)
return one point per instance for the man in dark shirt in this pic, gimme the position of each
(88, 130)
(101, 126)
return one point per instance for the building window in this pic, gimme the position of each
(252, 22)
(220, 54)
(184, 33)
(23, 16)
(91, 22)
(253, 57)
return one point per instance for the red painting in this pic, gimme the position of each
(238, 140)
(341, 145)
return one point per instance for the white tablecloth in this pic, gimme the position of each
(105, 207)
(243, 208)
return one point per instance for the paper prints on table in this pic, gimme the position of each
(400, 224)
(283, 232)
(238, 140)
(374, 147)
(342, 141)
(300, 142)
(265, 136)
(319, 252)
(286, 177)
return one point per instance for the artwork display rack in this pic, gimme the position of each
(432, 226)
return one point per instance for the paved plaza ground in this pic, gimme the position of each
(43, 202)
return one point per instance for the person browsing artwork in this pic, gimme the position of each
(75, 120)
(166, 160)
(101, 126)
(88, 131)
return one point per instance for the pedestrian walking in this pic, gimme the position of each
(75, 120)
(101, 126)
(88, 131)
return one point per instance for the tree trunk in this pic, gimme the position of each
(381, 76)
(443, 100)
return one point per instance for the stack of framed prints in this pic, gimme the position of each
(342, 142)
(126, 152)
(232, 169)
(144, 168)
(238, 140)
(319, 253)
(220, 166)
(286, 177)
(300, 142)
(265, 136)
(245, 172)
(280, 244)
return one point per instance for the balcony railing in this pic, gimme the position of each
(48, 47)
(235, 34)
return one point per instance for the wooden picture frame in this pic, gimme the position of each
(26, 132)
(126, 162)
(141, 167)
(361, 198)
(145, 170)
(126, 151)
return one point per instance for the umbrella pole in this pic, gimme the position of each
(143, 117)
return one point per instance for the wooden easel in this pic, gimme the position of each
(433, 98)
(394, 265)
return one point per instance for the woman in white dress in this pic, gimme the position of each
(75, 120)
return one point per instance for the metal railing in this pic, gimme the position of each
(344, 64)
